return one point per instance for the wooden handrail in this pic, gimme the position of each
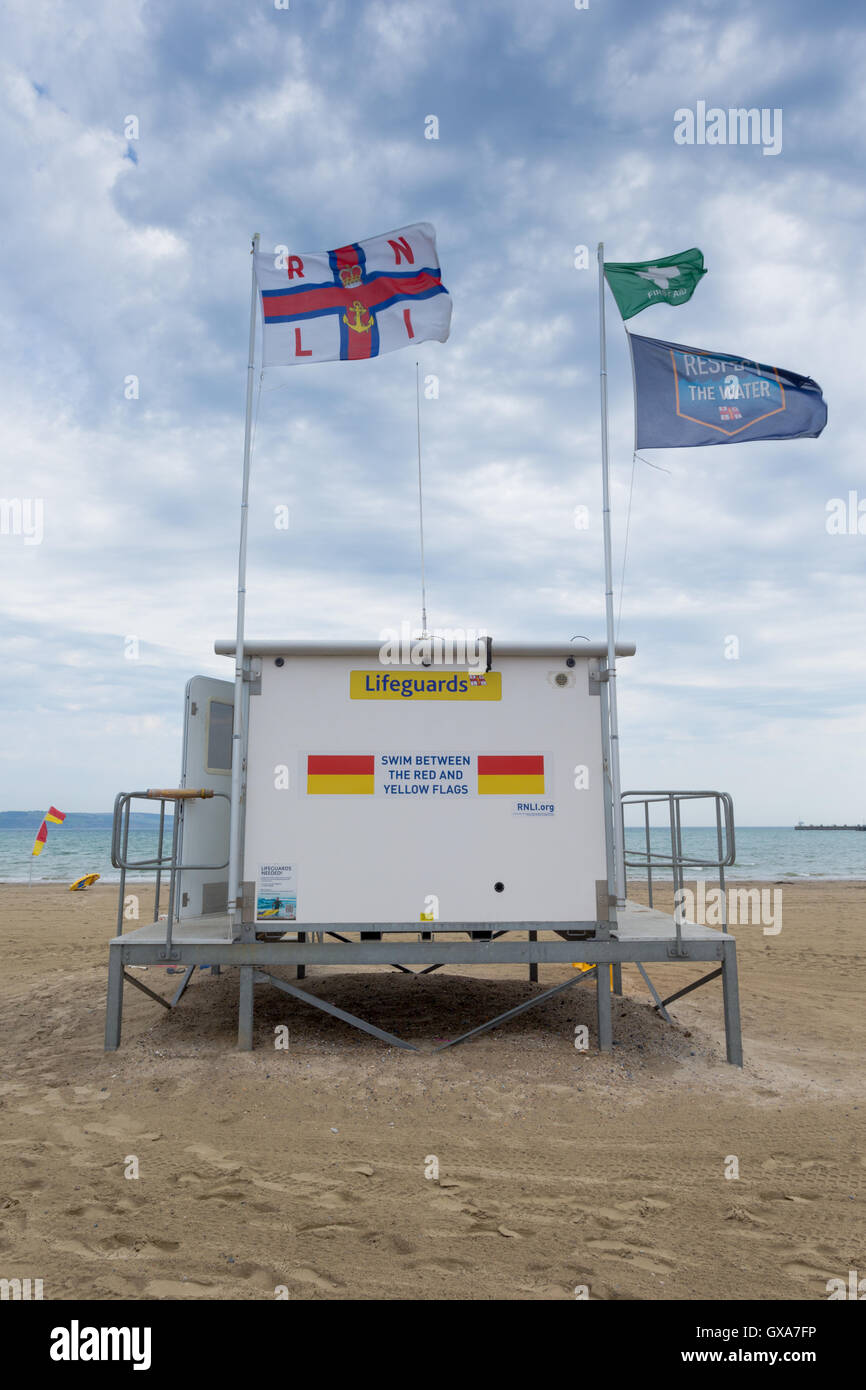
(178, 793)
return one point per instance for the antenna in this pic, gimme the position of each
(420, 501)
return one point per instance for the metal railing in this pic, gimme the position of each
(162, 863)
(676, 860)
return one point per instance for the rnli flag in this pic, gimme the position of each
(356, 302)
(341, 774)
(505, 775)
(689, 396)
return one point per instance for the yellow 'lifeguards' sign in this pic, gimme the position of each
(426, 685)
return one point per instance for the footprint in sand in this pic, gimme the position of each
(445, 1267)
(447, 1232)
(814, 1275)
(333, 1228)
(98, 1211)
(640, 1257)
(398, 1244)
(777, 1196)
(257, 1275)
(310, 1278)
(567, 1282)
(119, 1246)
(178, 1288)
(12, 1215)
(212, 1158)
(621, 1212)
(336, 1200)
(605, 1216)
(643, 1206)
(226, 1196)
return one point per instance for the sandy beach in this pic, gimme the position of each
(310, 1168)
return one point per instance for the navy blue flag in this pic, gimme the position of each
(686, 396)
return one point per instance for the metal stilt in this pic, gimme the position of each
(731, 997)
(605, 1015)
(114, 1002)
(245, 1009)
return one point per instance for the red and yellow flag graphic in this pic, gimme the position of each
(56, 818)
(341, 774)
(503, 775)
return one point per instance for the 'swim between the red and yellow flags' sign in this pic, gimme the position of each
(460, 685)
(431, 775)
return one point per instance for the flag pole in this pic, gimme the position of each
(235, 901)
(613, 730)
(420, 501)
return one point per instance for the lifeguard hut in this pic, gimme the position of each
(410, 816)
(344, 803)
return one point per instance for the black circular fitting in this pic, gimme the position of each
(569, 661)
(499, 887)
(279, 661)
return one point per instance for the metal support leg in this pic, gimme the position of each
(302, 969)
(731, 996)
(513, 1013)
(245, 1009)
(533, 968)
(157, 998)
(696, 984)
(617, 978)
(114, 1001)
(181, 990)
(655, 994)
(332, 1009)
(605, 1017)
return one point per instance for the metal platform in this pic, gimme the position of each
(636, 923)
(632, 934)
(641, 936)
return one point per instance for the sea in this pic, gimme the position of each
(83, 845)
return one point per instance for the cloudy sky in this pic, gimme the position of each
(129, 257)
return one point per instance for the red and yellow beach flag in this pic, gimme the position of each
(52, 816)
(341, 774)
(504, 775)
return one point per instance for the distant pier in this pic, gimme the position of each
(801, 826)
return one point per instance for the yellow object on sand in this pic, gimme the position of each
(83, 882)
(583, 967)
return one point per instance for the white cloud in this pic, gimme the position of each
(556, 131)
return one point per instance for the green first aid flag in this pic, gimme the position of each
(667, 280)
